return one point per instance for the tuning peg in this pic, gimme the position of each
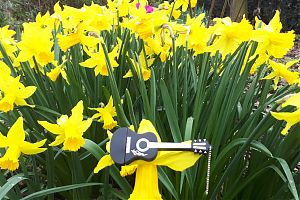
(205, 152)
(195, 140)
(200, 151)
(204, 140)
(195, 150)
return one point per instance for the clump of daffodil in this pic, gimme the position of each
(144, 20)
(15, 144)
(12, 91)
(106, 114)
(281, 71)
(146, 181)
(291, 118)
(78, 23)
(69, 130)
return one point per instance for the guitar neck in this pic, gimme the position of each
(171, 146)
(201, 147)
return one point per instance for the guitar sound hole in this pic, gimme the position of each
(142, 145)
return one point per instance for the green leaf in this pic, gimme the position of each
(290, 179)
(59, 189)
(97, 152)
(164, 179)
(11, 182)
(171, 114)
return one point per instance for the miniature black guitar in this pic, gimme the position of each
(127, 146)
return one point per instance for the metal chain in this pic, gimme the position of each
(208, 170)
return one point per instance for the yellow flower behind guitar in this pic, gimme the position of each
(146, 183)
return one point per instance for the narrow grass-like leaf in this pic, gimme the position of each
(164, 179)
(11, 182)
(59, 189)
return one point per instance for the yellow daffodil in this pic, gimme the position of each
(146, 181)
(154, 46)
(36, 42)
(54, 73)
(167, 7)
(261, 59)
(45, 21)
(196, 33)
(98, 61)
(15, 144)
(12, 90)
(78, 35)
(281, 71)
(144, 23)
(185, 4)
(270, 39)
(7, 41)
(120, 6)
(230, 35)
(291, 118)
(69, 130)
(142, 67)
(100, 18)
(106, 114)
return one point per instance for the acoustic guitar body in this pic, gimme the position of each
(127, 146)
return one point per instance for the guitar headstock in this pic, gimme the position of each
(201, 146)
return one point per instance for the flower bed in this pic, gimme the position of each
(72, 78)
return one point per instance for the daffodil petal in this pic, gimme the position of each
(16, 132)
(86, 124)
(128, 74)
(58, 140)
(128, 170)
(32, 148)
(3, 141)
(147, 126)
(291, 119)
(53, 128)
(105, 161)
(176, 160)
(293, 101)
(26, 92)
